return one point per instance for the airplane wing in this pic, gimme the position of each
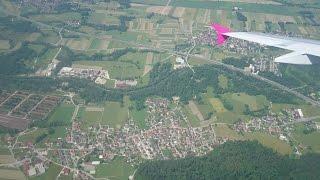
(304, 51)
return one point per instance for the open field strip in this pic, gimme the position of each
(251, 1)
(148, 65)
(195, 110)
(11, 174)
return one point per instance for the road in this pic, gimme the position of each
(304, 120)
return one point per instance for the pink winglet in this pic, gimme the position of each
(220, 30)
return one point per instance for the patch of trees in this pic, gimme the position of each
(5, 130)
(241, 17)
(67, 55)
(180, 47)
(121, 27)
(18, 26)
(297, 76)
(15, 62)
(125, 4)
(238, 62)
(41, 137)
(63, 7)
(227, 104)
(234, 160)
(268, 26)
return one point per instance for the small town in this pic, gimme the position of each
(168, 136)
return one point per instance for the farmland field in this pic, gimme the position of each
(63, 113)
(309, 140)
(116, 168)
(282, 147)
(114, 114)
(50, 173)
(91, 118)
(12, 174)
(4, 45)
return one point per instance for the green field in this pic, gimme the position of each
(240, 99)
(114, 115)
(270, 141)
(308, 110)
(46, 58)
(11, 173)
(31, 137)
(247, 7)
(63, 113)
(116, 69)
(223, 82)
(50, 173)
(118, 169)
(4, 45)
(282, 147)
(139, 118)
(103, 18)
(91, 118)
(62, 17)
(309, 140)
(192, 119)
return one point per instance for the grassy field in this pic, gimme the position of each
(103, 18)
(91, 118)
(4, 45)
(250, 7)
(114, 114)
(63, 113)
(310, 140)
(61, 17)
(6, 159)
(118, 169)
(98, 44)
(282, 147)
(240, 99)
(50, 173)
(46, 58)
(139, 118)
(193, 120)
(270, 141)
(31, 137)
(80, 44)
(223, 82)
(217, 105)
(117, 70)
(308, 110)
(11, 174)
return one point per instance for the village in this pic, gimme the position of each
(168, 136)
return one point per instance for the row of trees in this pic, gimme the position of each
(234, 160)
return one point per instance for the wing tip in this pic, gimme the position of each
(220, 30)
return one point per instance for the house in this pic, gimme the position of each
(40, 168)
(32, 171)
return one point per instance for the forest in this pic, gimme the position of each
(234, 160)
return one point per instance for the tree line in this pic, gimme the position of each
(233, 160)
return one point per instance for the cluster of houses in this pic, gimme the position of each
(96, 74)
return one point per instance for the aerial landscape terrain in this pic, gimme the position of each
(140, 89)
